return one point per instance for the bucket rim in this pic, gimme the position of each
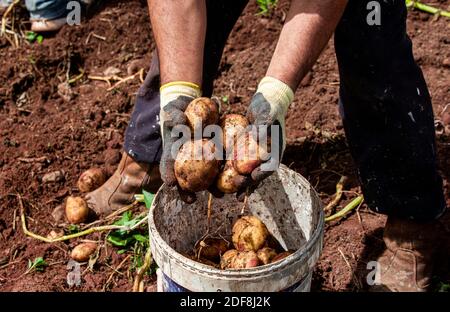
(257, 272)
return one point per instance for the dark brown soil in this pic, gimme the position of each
(45, 127)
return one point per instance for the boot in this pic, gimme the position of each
(43, 25)
(407, 263)
(129, 178)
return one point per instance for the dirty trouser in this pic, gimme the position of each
(384, 103)
(42, 9)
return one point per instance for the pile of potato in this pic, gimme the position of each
(196, 175)
(252, 242)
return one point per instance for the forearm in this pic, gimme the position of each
(179, 28)
(308, 28)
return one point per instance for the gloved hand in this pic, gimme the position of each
(175, 97)
(268, 107)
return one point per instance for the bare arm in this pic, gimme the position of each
(309, 26)
(179, 27)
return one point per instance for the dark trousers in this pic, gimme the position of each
(384, 102)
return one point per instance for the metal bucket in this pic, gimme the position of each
(285, 202)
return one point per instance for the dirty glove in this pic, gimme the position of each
(175, 97)
(268, 107)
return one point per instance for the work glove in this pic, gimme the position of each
(174, 98)
(268, 108)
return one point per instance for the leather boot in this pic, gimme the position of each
(119, 190)
(407, 263)
(43, 25)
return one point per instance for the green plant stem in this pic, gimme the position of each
(352, 205)
(71, 236)
(137, 284)
(426, 8)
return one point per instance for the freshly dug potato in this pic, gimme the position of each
(232, 125)
(196, 173)
(212, 248)
(229, 180)
(91, 179)
(273, 243)
(201, 112)
(77, 210)
(281, 256)
(266, 254)
(83, 251)
(227, 259)
(207, 262)
(249, 233)
(202, 260)
(248, 154)
(245, 260)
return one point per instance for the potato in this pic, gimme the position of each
(227, 259)
(266, 254)
(273, 243)
(207, 262)
(232, 125)
(229, 180)
(201, 112)
(245, 260)
(196, 174)
(77, 210)
(212, 248)
(83, 251)
(249, 233)
(248, 154)
(281, 256)
(91, 179)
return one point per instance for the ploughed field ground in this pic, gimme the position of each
(47, 126)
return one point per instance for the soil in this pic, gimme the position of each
(48, 126)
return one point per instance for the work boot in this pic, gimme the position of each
(407, 263)
(43, 25)
(131, 177)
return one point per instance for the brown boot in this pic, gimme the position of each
(129, 178)
(407, 263)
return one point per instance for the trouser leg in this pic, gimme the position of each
(143, 138)
(46, 9)
(387, 113)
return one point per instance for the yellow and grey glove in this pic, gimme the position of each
(174, 98)
(268, 108)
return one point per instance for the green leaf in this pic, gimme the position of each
(37, 265)
(39, 39)
(31, 36)
(117, 240)
(73, 228)
(140, 238)
(148, 198)
(121, 251)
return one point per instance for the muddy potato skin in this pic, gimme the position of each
(201, 112)
(82, 252)
(281, 256)
(247, 155)
(245, 260)
(91, 179)
(273, 243)
(232, 125)
(213, 248)
(249, 233)
(266, 254)
(77, 210)
(227, 259)
(229, 180)
(196, 174)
